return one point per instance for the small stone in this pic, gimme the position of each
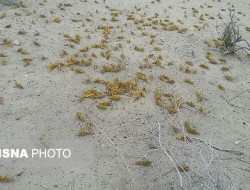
(2, 14)
(237, 142)
(55, 185)
(9, 2)
(16, 42)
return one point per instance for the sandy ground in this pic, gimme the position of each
(43, 113)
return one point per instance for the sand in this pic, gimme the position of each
(43, 113)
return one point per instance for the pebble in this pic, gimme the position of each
(2, 14)
(55, 185)
(16, 42)
(9, 2)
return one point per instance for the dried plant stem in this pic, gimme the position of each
(121, 155)
(169, 155)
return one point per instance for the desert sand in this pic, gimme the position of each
(139, 91)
